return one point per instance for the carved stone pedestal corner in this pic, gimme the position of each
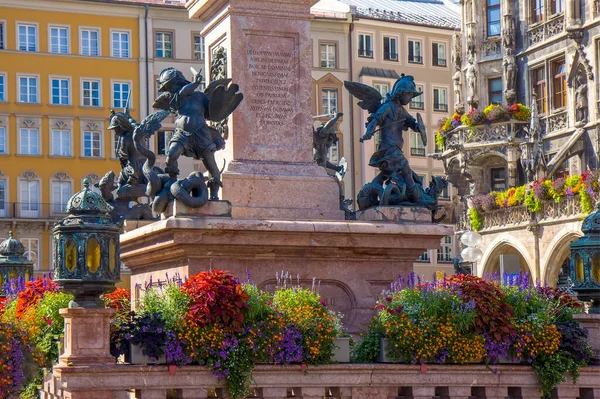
(87, 337)
(211, 209)
(396, 214)
(591, 322)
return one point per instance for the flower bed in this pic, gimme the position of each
(213, 319)
(584, 186)
(493, 113)
(467, 319)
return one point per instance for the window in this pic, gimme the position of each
(537, 11)
(416, 144)
(29, 199)
(559, 83)
(415, 52)
(2, 198)
(495, 90)
(60, 91)
(418, 102)
(28, 89)
(90, 95)
(538, 79)
(498, 179)
(163, 142)
(121, 95)
(120, 44)
(328, 55)
(382, 88)
(2, 45)
(334, 152)
(2, 88)
(493, 18)
(445, 195)
(29, 141)
(91, 144)
(164, 45)
(61, 192)
(61, 143)
(198, 47)
(90, 42)
(440, 100)
(27, 37)
(59, 40)
(439, 54)
(557, 6)
(424, 257)
(330, 101)
(365, 45)
(32, 248)
(2, 140)
(390, 48)
(444, 253)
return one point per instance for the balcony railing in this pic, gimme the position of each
(557, 121)
(545, 30)
(390, 56)
(495, 134)
(570, 206)
(506, 217)
(439, 62)
(365, 53)
(440, 107)
(32, 210)
(417, 151)
(415, 59)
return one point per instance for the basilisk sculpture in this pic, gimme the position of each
(396, 183)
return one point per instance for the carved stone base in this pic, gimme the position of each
(397, 214)
(352, 262)
(211, 209)
(87, 337)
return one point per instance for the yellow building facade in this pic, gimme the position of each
(63, 67)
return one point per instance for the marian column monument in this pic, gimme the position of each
(280, 210)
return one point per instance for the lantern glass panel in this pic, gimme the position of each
(13, 274)
(70, 255)
(596, 268)
(93, 255)
(1, 279)
(579, 268)
(112, 255)
(27, 275)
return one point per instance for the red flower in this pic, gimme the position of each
(33, 292)
(388, 299)
(47, 320)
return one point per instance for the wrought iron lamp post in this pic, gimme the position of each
(13, 262)
(585, 262)
(86, 249)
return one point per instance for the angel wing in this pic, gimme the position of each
(370, 98)
(151, 123)
(214, 84)
(223, 100)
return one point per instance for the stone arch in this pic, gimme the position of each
(506, 244)
(557, 252)
(485, 154)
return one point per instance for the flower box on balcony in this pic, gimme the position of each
(341, 350)
(137, 357)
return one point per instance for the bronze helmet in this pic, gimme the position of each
(169, 75)
(405, 84)
(119, 119)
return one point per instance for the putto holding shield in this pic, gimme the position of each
(396, 183)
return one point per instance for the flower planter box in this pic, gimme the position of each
(383, 357)
(341, 350)
(137, 357)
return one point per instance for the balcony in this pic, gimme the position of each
(417, 151)
(390, 56)
(415, 59)
(32, 210)
(440, 107)
(545, 30)
(485, 136)
(440, 62)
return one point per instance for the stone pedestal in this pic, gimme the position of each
(397, 214)
(87, 337)
(351, 261)
(211, 209)
(591, 322)
(268, 47)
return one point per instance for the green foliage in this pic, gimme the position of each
(532, 203)
(551, 370)
(168, 301)
(587, 203)
(440, 141)
(32, 389)
(51, 324)
(367, 350)
(476, 219)
(258, 304)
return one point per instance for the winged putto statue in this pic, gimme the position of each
(396, 183)
(193, 137)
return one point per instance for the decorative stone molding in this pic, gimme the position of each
(61, 176)
(94, 178)
(29, 175)
(93, 126)
(491, 47)
(596, 8)
(61, 125)
(557, 122)
(544, 31)
(28, 123)
(555, 26)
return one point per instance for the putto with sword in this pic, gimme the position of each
(396, 183)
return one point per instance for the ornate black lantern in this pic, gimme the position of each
(86, 249)
(13, 262)
(585, 262)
